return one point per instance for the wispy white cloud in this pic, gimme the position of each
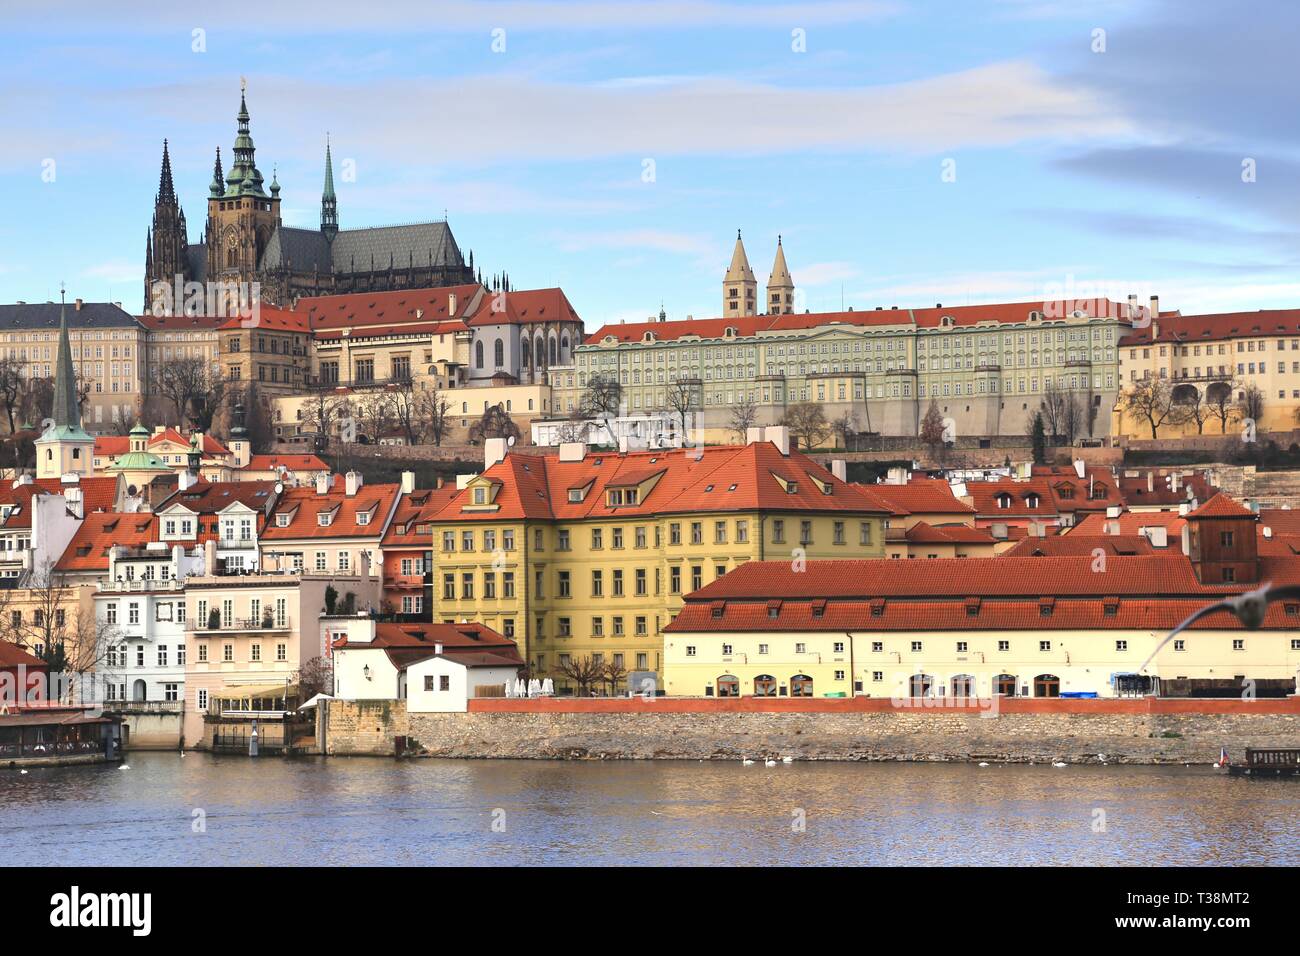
(825, 273)
(115, 271)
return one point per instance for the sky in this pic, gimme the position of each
(908, 153)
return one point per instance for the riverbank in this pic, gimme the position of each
(1139, 731)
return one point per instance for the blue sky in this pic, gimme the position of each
(1117, 171)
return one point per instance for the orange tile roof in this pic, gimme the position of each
(88, 549)
(924, 533)
(722, 478)
(304, 504)
(269, 319)
(1216, 326)
(1130, 522)
(182, 323)
(98, 493)
(407, 643)
(12, 655)
(524, 305)
(1221, 506)
(1075, 543)
(116, 445)
(292, 462)
(922, 496)
(1281, 520)
(1146, 591)
(413, 510)
(332, 313)
(984, 495)
(210, 497)
(963, 315)
(1135, 493)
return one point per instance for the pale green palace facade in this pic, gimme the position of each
(985, 366)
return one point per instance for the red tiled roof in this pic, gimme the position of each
(985, 494)
(330, 314)
(1075, 543)
(525, 305)
(97, 494)
(1130, 522)
(115, 445)
(413, 510)
(924, 533)
(722, 478)
(922, 496)
(1216, 326)
(269, 319)
(304, 504)
(210, 497)
(1146, 591)
(1221, 506)
(1281, 520)
(292, 462)
(407, 643)
(11, 655)
(88, 549)
(1135, 493)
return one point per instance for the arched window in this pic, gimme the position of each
(526, 353)
(764, 685)
(555, 359)
(1047, 685)
(920, 685)
(1005, 684)
(499, 353)
(478, 354)
(728, 686)
(539, 351)
(963, 685)
(801, 685)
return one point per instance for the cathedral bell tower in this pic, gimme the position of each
(242, 216)
(165, 247)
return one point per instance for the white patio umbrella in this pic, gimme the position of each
(548, 688)
(534, 687)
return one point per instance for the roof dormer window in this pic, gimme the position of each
(325, 519)
(480, 495)
(1003, 500)
(1031, 500)
(363, 517)
(282, 521)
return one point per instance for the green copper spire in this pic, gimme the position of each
(244, 178)
(329, 204)
(67, 410)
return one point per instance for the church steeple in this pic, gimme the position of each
(64, 448)
(165, 256)
(244, 178)
(218, 187)
(780, 287)
(329, 205)
(739, 287)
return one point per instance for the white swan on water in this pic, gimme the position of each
(769, 762)
(746, 762)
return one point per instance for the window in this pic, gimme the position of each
(563, 585)
(508, 584)
(742, 532)
(281, 651)
(1238, 644)
(1004, 645)
(916, 647)
(778, 531)
(961, 647)
(255, 652)
(1121, 645)
(467, 585)
(1044, 645)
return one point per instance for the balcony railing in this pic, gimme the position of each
(244, 624)
(236, 544)
(143, 706)
(143, 584)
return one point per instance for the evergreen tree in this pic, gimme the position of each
(1039, 438)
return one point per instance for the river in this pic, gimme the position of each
(198, 809)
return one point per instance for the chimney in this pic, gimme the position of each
(840, 469)
(1158, 536)
(1151, 481)
(1079, 467)
(779, 436)
(437, 482)
(1183, 508)
(1112, 527)
(77, 307)
(1268, 532)
(159, 429)
(23, 480)
(178, 556)
(184, 480)
(209, 560)
(572, 450)
(451, 305)
(437, 649)
(72, 498)
(1133, 307)
(408, 482)
(494, 450)
(753, 434)
(622, 444)
(351, 482)
(323, 483)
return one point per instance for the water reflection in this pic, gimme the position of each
(306, 811)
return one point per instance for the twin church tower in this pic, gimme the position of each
(245, 242)
(740, 288)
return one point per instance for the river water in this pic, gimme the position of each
(202, 810)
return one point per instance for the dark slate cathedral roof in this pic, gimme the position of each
(427, 244)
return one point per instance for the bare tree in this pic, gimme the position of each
(615, 673)
(1055, 405)
(432, 407)
(743, 415)
(807, 423)
(315, 676)
(495, 423)
(1220, 402)
(12, 387)
(584, 671)
(324, 410)
(403, 403)
(602, 400)
(1150, 400)
(845, 427)
(682, 400)
(181, 380)
(374, 409)
(1252, 403)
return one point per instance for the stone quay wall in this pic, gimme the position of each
(1139, 731)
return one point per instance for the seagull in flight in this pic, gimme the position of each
(1249, 609)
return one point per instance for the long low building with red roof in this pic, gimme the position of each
(1042, 625)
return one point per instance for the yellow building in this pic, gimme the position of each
(1210, 362)
(1010, 626)
(590, 555)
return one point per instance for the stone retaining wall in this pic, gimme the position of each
(636, 730)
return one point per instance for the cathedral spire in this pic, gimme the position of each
(780, 287)
(166, 190)
(739, 287)
(329, 206)
(67, 410)
(217, 187)
(244, 178)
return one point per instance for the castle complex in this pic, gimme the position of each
(244, 240)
